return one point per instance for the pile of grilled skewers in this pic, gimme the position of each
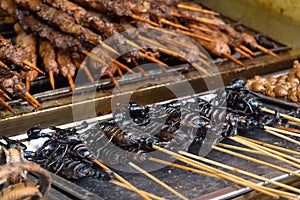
(13, 174)
(180, 125)
(285, 86)
(62, 33)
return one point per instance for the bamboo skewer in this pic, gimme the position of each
(4, 95)
(289, 129)
(220, 173)
(29, 64)
(281, 130)
(237, 170)
(263, 149)
(158, 181)
(136, 17)
(256, 161)
(184, 168)
(30, 98)
(110, 49)
(71, 82)
(243, 53)
(88, 74)
(201, 69)
(201, 28)
(4, 65)
(194, 35)
(121, 179)
(283, 137)
(174, 54)
(273, 146)
(294, 123)
(240, 148)
(263, 49)
(233, 59)
(51, 78)
(142, 191)
(164, 21)
(201, 10)
(294, 119)
(247, 50)
(2, 102)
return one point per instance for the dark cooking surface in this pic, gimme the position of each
(189, 184)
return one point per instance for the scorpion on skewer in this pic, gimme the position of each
(64, 153)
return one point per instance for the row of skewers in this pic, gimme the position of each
(285, 86)
(66, 153)
(64, 32)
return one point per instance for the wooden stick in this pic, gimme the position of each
(150, 41)
(4, 65)
(281, 130)
(158, 181)
(184, 168)
(89, 75)
(240, 148)
(94, 57)
(51, 78)
(233, 59)
(120, 72)
(273, 146)
(122, 66)
(294, 123)
(262, 149)
(161, 64)
(142, 191)
(294, 119)
(135, 45)
(283, 137)
(209, 21)
(247, 50)
(201, 69)
(220, 173)
(4, 95)
(110, 49)
(201, 10)
(164, 21)
(121, 179)
(194, 35)
(115, 82)
(163, 30)
(29, 64)
(30, 98)
(2, 102)
(136, 17)
(243, 53)
(237, 170)
(201, 28)
(263, 49)
(27, 83)
(257, 161)
(185, 46)
(289, 129)
(71, 82)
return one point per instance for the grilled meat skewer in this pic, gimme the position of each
(66, 66)
(15, 55)
(11, 83)
(61, 20)
(48, 56)
(28, 44)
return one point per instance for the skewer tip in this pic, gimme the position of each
(71, 82)
(29, 64)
